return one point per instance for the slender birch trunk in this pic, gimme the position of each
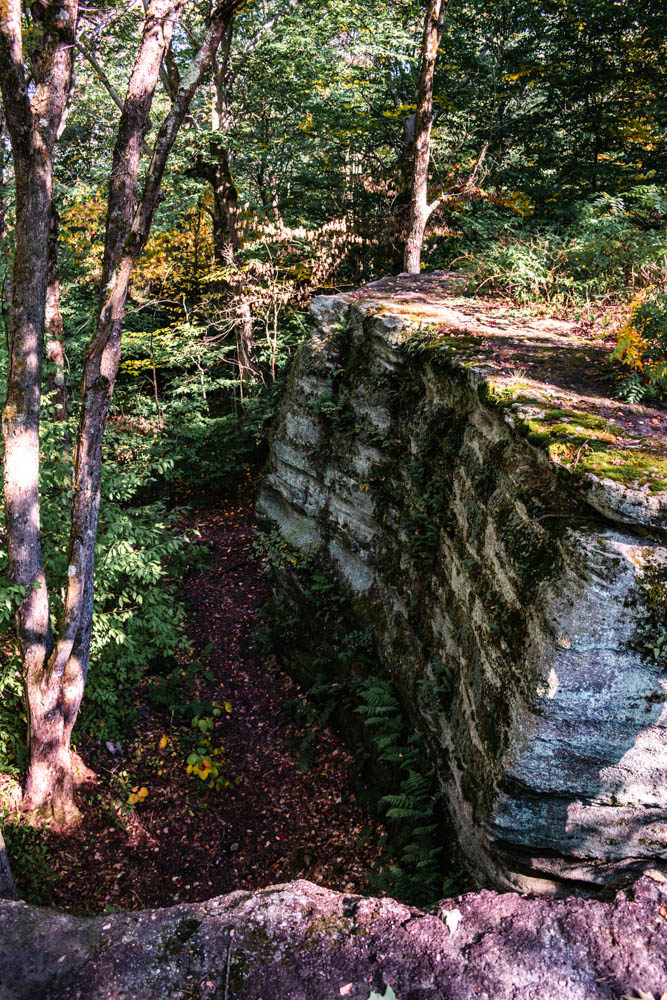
(420, 210)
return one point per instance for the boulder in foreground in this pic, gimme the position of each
(302, 942)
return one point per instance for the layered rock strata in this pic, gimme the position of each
(494, 525)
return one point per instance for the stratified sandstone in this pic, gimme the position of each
(489, 519)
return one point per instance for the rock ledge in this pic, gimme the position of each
(302, 942)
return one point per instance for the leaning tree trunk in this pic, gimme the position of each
(33, 114)
(419, 206)
(128, 228)
(55, 694)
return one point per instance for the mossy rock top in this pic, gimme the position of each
(553, 379)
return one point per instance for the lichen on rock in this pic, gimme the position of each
(488, 520)
(303, 942)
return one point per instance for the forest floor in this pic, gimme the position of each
(152, 834)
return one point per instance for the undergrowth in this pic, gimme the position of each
(348, 681)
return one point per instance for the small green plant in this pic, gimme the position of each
(336, 413)
(311, 711)
(123, 796)
(642, 344)
(417, 877)
(206, 761)
(29, 857)
(277, 552)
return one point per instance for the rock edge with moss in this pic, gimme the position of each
(448, 499)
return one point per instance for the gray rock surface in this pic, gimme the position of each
(303, 942)
(410, 475)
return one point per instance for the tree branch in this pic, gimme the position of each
(91, 58)
(464, 188)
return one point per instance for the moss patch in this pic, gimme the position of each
(586, 442)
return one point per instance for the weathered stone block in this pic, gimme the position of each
(466, 544)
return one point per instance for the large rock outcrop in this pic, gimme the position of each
(302, 942)
(497, 526)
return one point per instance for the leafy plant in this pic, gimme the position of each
(642, 345)
(418, 875)
(29, 857)
(205, 760)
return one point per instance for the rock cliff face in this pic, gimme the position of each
(499, 530)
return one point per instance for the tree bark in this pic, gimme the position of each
(33, 119)
(420, 210)
(226, 232)
(127, 230)
(216, 169)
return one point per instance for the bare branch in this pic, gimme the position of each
(103, 78)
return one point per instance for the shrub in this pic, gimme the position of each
(642, 347)
(141, 556)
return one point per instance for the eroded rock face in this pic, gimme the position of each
(503, 589)
(302, 942)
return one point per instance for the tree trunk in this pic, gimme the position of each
(227, 239)
(55, 695)
(128, 228)
(226, 244)
(34, 115)
(267, 185)
(216, 169)
(419, 207)
(5, 281)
